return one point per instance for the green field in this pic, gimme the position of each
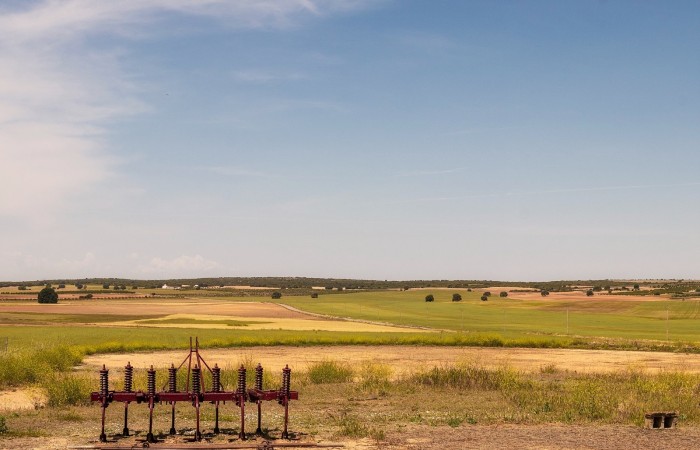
(613, 317)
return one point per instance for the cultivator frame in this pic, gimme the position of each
(195, 392)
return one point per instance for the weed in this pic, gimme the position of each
(374, 378)
(329, 371)
(68, 389)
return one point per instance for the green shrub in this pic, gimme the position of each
(68, 389)
(3, 425)
(329, 372)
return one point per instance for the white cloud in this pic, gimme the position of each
(182, 266)
(58, 93)
(25, 266)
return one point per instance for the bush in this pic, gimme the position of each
(589, 293)
(105, 286)
(503, 294)
(276, 295)
(487, 293)
(544, 292)
(47, 295)
(3, 425)
(314, 295)
(22, 288)
(456, 297)
(484, 298)
(429, 298)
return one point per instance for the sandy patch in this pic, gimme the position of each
(22, 399)
(405, 359)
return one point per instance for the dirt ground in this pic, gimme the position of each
(421, 437)
(405, 359)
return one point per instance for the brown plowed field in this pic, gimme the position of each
(150, 307)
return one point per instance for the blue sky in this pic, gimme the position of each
(511, 140)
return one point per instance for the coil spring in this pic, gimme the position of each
(151, 381)
(196, 380)
(259, 377)
(241, 380)
(104, 381)
(286, 380)
(128, 377)
(172, 378)
(216, 378)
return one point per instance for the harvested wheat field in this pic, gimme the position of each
(407, 359)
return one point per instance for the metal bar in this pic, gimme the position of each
(262, 445)
(125, 431)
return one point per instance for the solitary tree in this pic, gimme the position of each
(429, 298)
(636, 287)
(47, 295)
(484, 298)
(589, 293)
(276, 295)
(456, 297)
(487, 293)
(544, 292)
(504, 294)
(105, 286)
(314, 295)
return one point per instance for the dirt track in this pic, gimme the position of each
(412, 358)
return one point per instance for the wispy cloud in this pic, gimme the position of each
(258, 76)
(59, 93)
(558, 191)
(233, 171)
(421, 173)
(423, 41)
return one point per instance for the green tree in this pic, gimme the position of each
(456, 297)
(503, 294)
(47, 295)
(276, 295)
(314, 295)
(484, 298)
(487, 293)
(429, 298)
(636, 287)
(589, 293)
(105, 286)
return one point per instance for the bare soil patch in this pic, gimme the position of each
(406, 359)
(22, 399)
